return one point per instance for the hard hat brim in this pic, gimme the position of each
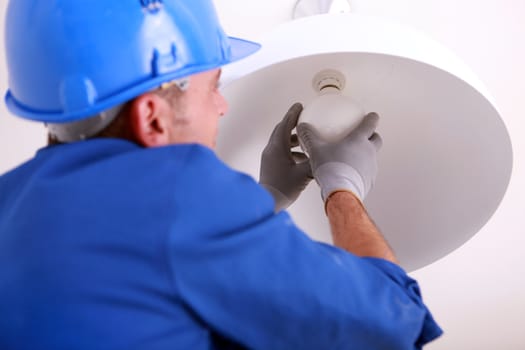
(240, 49)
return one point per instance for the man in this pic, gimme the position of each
(127, 232)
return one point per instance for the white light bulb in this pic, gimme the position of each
(332, 114)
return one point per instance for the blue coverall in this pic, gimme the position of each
(107, 245)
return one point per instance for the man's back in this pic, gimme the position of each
(106, 245)
(83, 235)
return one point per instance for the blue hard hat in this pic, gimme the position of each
(68, 60)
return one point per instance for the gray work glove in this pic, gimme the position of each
(346, 165)
(285, 174)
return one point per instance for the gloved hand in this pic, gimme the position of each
(285, 174)
(346, 165)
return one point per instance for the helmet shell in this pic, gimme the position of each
(68, 60)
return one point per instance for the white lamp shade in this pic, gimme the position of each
(447, 157)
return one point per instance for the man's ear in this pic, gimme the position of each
(149, 118)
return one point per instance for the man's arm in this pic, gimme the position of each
(346, 170)
(353, 230)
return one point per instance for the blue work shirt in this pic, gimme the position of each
(107, 245)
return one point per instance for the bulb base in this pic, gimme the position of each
(328, 78)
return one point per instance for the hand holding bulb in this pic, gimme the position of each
(340, 140)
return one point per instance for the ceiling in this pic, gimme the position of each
(477, 293)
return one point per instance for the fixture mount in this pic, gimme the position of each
(305, 8)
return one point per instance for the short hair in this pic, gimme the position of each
(119, 126)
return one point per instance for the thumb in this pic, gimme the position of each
(305, 169)
(367, 127)
(309, 136)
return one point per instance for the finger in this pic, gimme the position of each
(290, 122)
(276, 131)
(367, 127)
(306, 169)
(309, 136)
(294, 140)
(292, 116)
(281, 132)
(299, 157)
(377, 141)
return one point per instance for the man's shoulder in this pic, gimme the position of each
(188, 174)
(117, 155)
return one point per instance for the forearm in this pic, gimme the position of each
(353, 230)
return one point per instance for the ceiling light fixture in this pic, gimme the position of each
(447, 157)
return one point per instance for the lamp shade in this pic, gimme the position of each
(446, 160)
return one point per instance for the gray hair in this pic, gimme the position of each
(83, 129)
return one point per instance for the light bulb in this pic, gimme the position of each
(332, 114)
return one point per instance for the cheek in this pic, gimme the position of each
(221, 104)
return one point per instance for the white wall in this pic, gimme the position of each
(18, 139)
(478, 292)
